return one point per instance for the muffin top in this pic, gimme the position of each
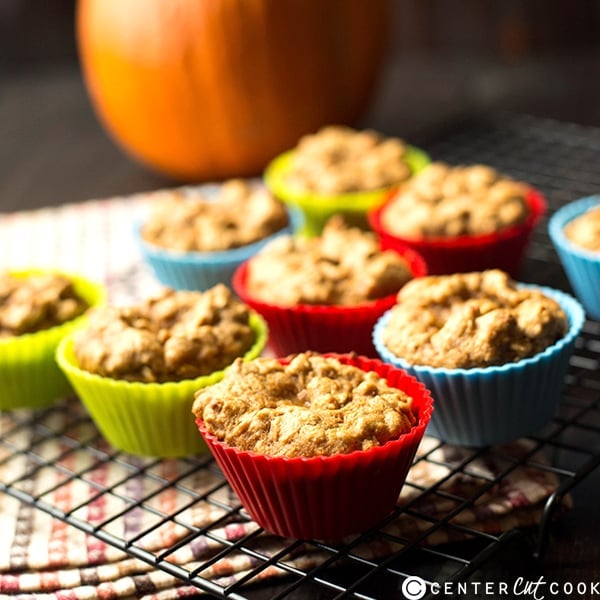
(239, 215)
(584, 231)
(471, 320)
(445, 201)
(173, 336)
(344, 266)
(313, 406)
(339, 159)
(36, 302)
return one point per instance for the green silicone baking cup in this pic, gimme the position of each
(147, 419)
(29, 375)
(318, 208)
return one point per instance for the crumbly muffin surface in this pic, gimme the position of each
(344, 266)
(173, 336)
(444, 201)
(314, 406)
(471, 320)
(37, 302)
(241, 214)
(339, 159)
(584, 231)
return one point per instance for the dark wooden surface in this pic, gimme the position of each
(53, 151)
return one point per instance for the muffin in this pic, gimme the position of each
(463, 218)
(494, 353)
(37, 309)
(339, 170)
(136, 368)
(325, 293)
(584, 230)
(297, 437)
(575, 233)
(194, 239)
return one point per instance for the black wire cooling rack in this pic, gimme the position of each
(562, 161)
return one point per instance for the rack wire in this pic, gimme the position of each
(560, 159)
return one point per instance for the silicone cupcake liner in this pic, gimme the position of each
(326, 497)
(323, 328)
(318, 208)
(503, 250)
(202, 270)
(581, 266)
(29, 375)
(148, 419)
(493, 405)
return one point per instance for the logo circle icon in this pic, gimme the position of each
(414, 588)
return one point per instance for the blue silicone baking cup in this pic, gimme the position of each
(200, 271)
(581, 266)
(497, 404)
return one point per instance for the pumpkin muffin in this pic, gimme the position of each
(36, 302)
(172, 336)
(238, 215)
(575, 233)
(494, 353)
(136, 368)
(325, 293)
(297, 437)
(338, 159)
(445, 201)
(37, 309)
(195, 238)
(339, 170)
(584, 231)
(461, 218)
(312, 406)
(343, 266)
(471, 320)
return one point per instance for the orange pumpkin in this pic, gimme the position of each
(203, 89)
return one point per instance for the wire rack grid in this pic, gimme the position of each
(60, 446)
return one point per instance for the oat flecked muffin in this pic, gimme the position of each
(445, 201)
(575, 233)
(39, 308)
(471, 320)
(584, 230)
(37, 302)
(343, 266)
(238, 215)
(461, 219)
(313, 406)
(338, 159)
(341, 171)
(136, 368)
(315, 446)
(493, 353)
(173, 336)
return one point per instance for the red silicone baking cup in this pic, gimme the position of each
(323, 328)
(327, 497)
(502, 250)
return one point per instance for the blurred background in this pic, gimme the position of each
(446, 62)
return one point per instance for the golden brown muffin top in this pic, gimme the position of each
(36, 302)
(339, 159)
(471, 320)
(173, 336)
(584, 231)
(314, 406)
(343, 266)
(240, 214)
(445, 201)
